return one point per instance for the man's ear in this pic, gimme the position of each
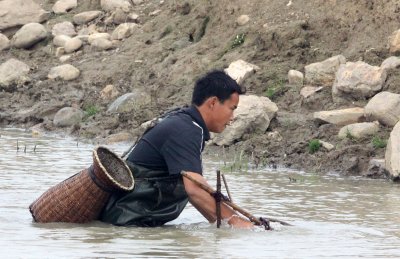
(211, 101)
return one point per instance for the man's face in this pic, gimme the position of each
(222, 113)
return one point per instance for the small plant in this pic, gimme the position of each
(349, 135)
(238, 40)
(314, 145)
(275, 88)
(377, 142)
(91, 110)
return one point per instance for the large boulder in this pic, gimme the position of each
(13, 71)
(384, 107)
(340, 117)
(68, 116)
(253, 115)
(64, 28)
(85, 17)
(130, 102)
(29, 35)
(323, 73)
(358, 80)
(392, 155)
(14, 13)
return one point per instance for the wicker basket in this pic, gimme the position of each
(80, 198)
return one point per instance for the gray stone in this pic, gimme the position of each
(391, 63)
(130, 102)
(14, 13)
(4, 42)
(64, 72)
(358, 80)
(64, 28)
(359, 130)
(240, 70)
(29, 35)
(68, 116)
(13, 71)
(63, 6)
(392, 154)
(253, 115)
(86, 17)
(384, 107)
(323, 73)
(341, 116)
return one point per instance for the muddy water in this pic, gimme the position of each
(334, 217)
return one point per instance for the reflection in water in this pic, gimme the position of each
(334, 217)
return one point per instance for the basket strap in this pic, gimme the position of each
(97, 182)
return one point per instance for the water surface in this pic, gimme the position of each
(334, 217)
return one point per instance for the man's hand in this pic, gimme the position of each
(206, 204)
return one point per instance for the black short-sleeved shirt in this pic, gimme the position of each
(174, 144)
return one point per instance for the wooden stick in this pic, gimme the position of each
(218, 199)
(227, 188)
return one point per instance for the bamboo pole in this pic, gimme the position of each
(218, 199)
(227, 188)
(231, 204)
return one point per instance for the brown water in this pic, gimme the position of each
(334, 217)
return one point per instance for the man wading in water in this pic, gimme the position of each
(174, 144)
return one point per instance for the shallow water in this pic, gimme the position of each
(333, 216)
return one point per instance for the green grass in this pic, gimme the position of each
(314, 145)
(238, 40)
(377, 142)
(275, 88)
(91, 110)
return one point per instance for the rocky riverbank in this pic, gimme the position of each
(322, 78)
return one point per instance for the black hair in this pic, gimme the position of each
(215, 83)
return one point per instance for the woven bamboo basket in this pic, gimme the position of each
(80, 198)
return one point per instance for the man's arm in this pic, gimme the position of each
(206, 204)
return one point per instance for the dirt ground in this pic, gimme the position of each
(171, 50)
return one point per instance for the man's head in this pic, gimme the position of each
(216, 95)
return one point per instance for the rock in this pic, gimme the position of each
(391, 63)
(4, 42)
(130, 102)
(95, 36)
(120, 16)
(102, 44)
(253, 115)
(109, 92)
(64, 72)
(359, 130)
(242, 20)
(240, 70)
(112, 5)
(119, 137)
(60, 51)
(308, 91)
(323, 73)
(64, 28)
(326, 145)
(68, 116)
(155, 12)
(63, 6)
(123, 31)
(376, 169)
(72, 45)
(60, 40)
(340, 117)
(65, 58)
(29, 35)
(394, 42)
(85, 17)
(295, 77)
(13, 71)
(14, 13)
(137, 2)
(392, 154)
(384, 107)
(358, 80)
